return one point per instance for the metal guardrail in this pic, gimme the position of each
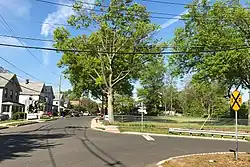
(208, 132)
(171, 119)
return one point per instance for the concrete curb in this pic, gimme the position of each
(100, 127)
(176, 136)
(160, 163)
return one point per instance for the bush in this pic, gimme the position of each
(19, 115)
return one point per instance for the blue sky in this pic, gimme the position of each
(27, 17)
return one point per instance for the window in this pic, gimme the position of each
(16, 95)
(6, 93)
(11, 94)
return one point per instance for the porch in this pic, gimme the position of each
(10, 107)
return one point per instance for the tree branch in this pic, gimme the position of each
(119, 78)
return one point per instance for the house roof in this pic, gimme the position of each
(5, 78)
(48, 89)
(32, 88)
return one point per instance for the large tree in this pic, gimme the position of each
(215, 39)
(152, 81)
(110, 58)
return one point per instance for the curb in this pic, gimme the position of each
(160, 163)
(183, 136)
(103, 128)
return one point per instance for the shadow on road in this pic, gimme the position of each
(22, 145)
(94, 149)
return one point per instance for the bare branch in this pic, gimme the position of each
(119, 78)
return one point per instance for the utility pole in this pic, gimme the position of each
(248, 121)
(59, 95)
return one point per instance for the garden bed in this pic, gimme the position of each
(210, 160)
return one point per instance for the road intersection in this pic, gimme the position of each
(71, 142)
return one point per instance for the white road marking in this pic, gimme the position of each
(148, 138)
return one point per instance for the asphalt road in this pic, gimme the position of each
(71, 143)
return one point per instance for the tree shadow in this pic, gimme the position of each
(95, 150)
(22, 144)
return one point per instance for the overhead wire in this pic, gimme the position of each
(9, 28)
(97, 10)
(145, 53)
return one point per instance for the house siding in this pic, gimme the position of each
(11, 86)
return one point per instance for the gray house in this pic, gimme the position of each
(9, 94)
(49, 95)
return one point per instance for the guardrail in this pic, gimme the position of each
(207, 132)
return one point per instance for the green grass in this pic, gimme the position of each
(22, 123)
(10, 120)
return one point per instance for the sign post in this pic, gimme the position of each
(143, 111)
(235, 103)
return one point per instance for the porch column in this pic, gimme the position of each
(10, 111)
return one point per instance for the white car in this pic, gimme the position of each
(86, 114)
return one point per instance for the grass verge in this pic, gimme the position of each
(162, 128)
(10, 120)
(210, 160)
(21, 123)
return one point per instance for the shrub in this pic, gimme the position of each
(19, 115)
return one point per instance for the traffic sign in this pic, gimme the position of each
(235, 100)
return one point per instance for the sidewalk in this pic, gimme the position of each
(98, 125)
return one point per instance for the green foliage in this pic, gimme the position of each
(151, 79)
(219, 26)
(19, 115)
(79, 108)
(124, 104)
(71, 95)
(203, 99)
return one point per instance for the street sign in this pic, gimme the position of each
(236, 100)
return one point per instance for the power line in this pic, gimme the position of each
(19, 69)
(166, 2)
(51, 40)
(27, 38)
(146, 53)
(9, 28)
(155, 17)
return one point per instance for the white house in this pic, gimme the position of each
(56, 101)
(34, 91)
(9, 94)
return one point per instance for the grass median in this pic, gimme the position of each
(162, 128)
(210, 160)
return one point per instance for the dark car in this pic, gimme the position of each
(4, 117)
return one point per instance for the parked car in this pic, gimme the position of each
(86, 113)
(75, 114)
(4, 117)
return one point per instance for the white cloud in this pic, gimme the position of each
(19, 8)
(173, 20)
(60, 16)
(8, 40)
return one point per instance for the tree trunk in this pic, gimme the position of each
(110, 105)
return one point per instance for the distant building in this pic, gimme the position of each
(9, 94)
(56, 102)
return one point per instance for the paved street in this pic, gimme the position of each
(70, 142)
